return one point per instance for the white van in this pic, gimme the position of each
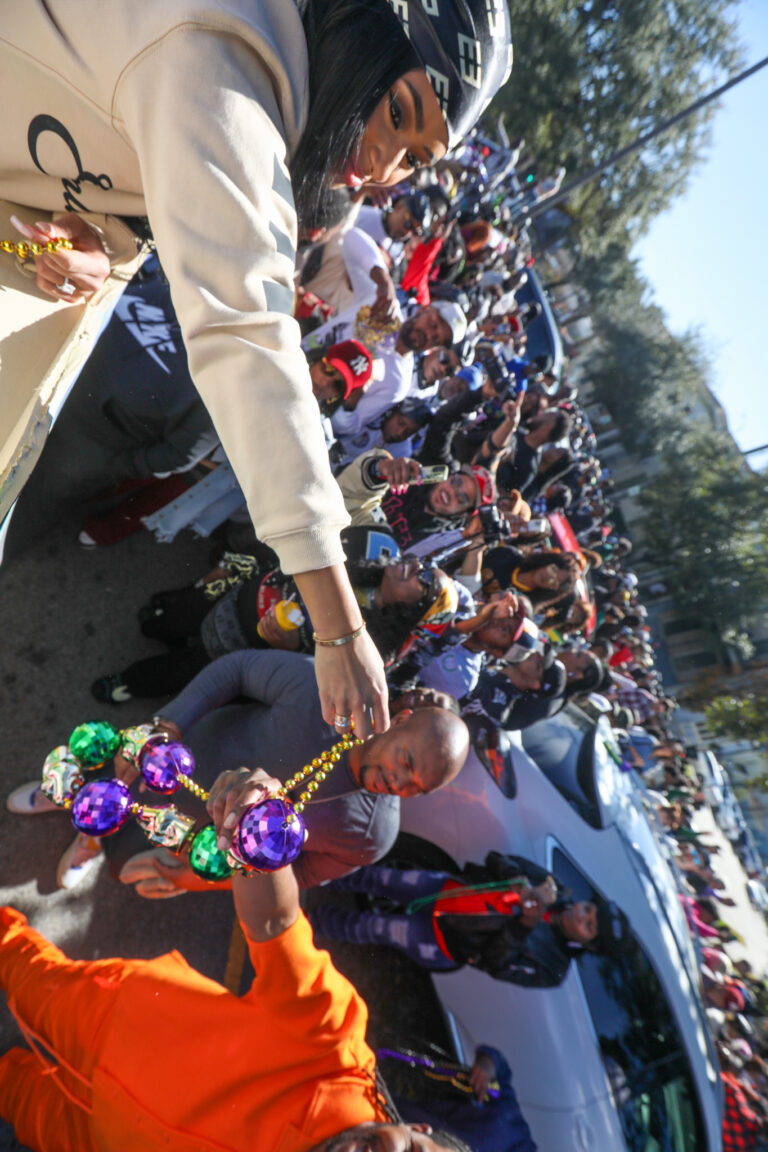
(618, 1056)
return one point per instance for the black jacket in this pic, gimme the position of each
(499, 943)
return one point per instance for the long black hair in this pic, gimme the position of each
(357, 50)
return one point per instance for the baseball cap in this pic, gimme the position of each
(528, 639)
(474, 376)
(353, 362)
(417, 410)
(454, 318)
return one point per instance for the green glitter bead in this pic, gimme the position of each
(94, 742)
(205, 858)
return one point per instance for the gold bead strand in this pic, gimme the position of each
(188, 783)
(23, 249)
(318, 769)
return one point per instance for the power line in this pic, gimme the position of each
(641, 141)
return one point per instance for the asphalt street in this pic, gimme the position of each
(67, 616)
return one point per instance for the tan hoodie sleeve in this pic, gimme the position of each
(200, 110)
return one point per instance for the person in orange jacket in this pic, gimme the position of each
(151, 1054)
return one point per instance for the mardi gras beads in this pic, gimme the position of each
(90, 745)
(23, 249)
(94, 742)
(270, 834)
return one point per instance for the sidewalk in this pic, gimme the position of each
(744, 918)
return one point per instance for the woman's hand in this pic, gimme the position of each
(353, 687)
(350, 677)
(234, 792)
(84, 267)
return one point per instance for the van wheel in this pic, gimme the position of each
(410, 851)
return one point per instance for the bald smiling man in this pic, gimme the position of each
(261, 710)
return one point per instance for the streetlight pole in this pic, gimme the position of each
(641, 141)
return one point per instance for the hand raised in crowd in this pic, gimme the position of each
(84, 267)
(399, 473)
(500, 605)
(533, 907)
(512, 408)
(473, 528)
(385, 305)
(276, 636)
(547, 891)
(482, 1072)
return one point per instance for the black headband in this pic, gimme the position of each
(465, 47)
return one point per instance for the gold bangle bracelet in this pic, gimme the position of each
(341, 640)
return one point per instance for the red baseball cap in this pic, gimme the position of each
(353, 361)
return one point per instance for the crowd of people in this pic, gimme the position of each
(480, 577)
(734, 995)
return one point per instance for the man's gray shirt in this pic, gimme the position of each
(261, 709)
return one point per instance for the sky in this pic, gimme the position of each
(707, 258)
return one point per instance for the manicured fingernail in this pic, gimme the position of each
(230, 821)
(19, 225)
(222, 844)
(45, 226)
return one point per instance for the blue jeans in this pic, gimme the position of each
(412, 934)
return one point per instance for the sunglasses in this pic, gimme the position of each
(424, 572)
(411, 225)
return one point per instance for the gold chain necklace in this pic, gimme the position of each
(318, 769)
(26, 248)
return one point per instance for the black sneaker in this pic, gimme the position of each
(111, 690)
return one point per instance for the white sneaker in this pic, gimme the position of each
(81, 858)
(28, 800)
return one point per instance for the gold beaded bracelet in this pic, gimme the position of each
(26, 248)
(341, 640)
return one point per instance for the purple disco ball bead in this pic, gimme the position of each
(101, 807)
(162, 764)
(269, 836)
